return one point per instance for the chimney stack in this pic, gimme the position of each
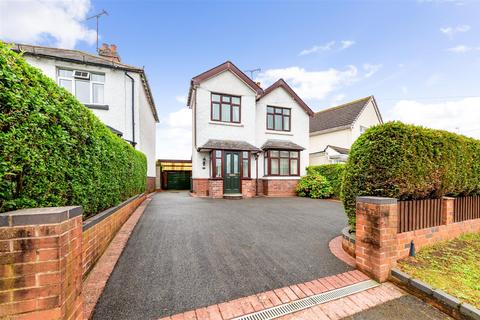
(109, 52)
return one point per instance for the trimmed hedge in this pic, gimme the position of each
(314, 186)
(56, 152)
(333, 173)
(410, 162)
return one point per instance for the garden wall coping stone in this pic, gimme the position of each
(446, 299)
(347, 235)
(33, 216)
(377, 200)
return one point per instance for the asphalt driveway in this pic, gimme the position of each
(189, 252)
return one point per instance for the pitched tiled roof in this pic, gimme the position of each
(281, 83)
(213, 144)
(340, 117)
(77, 56)
(281, 144)
(339, 149)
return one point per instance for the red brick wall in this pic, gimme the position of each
(248, 188)
(97, 238)
(348, 246)
(41, 265)
(280, 187)
(379, 245)
(150, 187)
(215, 188)
(200, 187)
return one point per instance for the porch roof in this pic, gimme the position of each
(213, 144)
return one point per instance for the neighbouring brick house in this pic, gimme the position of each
(117, 93)
(247, 140)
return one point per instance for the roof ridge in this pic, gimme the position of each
(344, 104)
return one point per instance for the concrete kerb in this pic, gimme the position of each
(439, 296)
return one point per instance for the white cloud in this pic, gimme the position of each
(54, 22)
(451, 31)
(174, 135)
(460, 49)
(343, 44)
(325, 47)
(347, 44)
(181, 99)
(459, 116)
(371, 69)
(311, 84)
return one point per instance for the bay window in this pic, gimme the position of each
(282, 163)
(225, 108)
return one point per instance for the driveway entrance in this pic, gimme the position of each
(189, 252)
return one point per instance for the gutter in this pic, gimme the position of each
(133, 110)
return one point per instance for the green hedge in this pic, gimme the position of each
(410, 162)
(333, 173)
(54, 151)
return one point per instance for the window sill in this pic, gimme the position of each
(97, 106)
(283, 133)
(281, 177)
(230, 124)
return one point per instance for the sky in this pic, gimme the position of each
(419, 58)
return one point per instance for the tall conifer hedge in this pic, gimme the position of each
(410, 162)
(56, 152)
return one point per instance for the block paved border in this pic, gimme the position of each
(454, 305)
(96, 280)
(331, 310)
(337, 250)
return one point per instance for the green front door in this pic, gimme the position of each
(231, 181)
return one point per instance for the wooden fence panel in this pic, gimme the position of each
(466, 208)
(419, 214)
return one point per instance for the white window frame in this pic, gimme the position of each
(91, 82)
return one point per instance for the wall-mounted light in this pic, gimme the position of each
(204, 163)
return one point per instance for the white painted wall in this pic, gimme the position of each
(341, 138)
(117, 95)
(227, 83)
(367, 118)
(298, 131)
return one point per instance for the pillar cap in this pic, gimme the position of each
(34, 216)
(377, 200)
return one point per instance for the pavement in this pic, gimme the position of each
(406, 307)
(187, 253)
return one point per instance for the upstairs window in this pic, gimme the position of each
(88, 87)
(278, 119)
(225, 108)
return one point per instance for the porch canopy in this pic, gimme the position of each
(277, 144)
(239, 145)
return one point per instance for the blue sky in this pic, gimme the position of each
(421, 59)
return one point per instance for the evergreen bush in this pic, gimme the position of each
(314, 186)
(56, 152)
(410, 162)
(333, 173)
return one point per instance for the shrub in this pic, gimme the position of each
(333, 173)
(54, 151)
(410, 162)
(314, 186)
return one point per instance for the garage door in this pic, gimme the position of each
(178, 180)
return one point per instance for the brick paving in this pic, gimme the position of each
(332, 310)
(97, 279)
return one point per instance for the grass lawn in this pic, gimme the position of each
(452, 266)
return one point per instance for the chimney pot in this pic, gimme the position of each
(113, 47)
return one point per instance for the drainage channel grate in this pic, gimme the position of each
(308, 302)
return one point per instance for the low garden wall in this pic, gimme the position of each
(45, 253)
(99, 230)
(386, 228)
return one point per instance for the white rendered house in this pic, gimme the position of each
(118, 94)
(334, 130)
(246, 140)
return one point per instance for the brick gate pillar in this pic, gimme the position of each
(41, 263)
(376, 236)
